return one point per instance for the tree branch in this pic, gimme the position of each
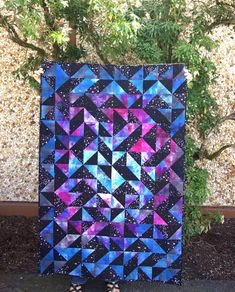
(220, 121)
(203, 153)
(72, 35)
(220, 22)
(225, 4)
(222, 18)
(13, 35)
(95, 43)
(90, 31)
(226, 118)
(50, 22)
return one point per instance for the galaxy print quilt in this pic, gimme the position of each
(111, 179)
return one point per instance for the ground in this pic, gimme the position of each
(208, 261)
(33, 283)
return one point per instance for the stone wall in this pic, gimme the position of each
(19, 126)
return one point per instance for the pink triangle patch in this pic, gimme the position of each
(67, 197)
(139, 113)
(158, 220)
(141, 146)
(108, 112)
(123, 113)
(146, 128)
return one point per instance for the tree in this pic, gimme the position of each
(172, 31)
(148, 31)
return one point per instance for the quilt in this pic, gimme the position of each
(111, 178)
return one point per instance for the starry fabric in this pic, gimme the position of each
(111, 180)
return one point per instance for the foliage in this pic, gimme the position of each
(165, 31)
(165, 37)
(148, 31)
(45, 27)
(196, 194)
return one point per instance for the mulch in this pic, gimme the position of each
(209, 256)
